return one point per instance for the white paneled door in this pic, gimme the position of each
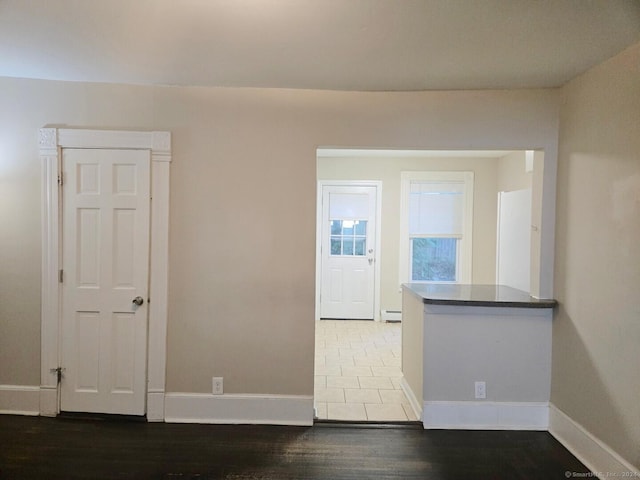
(106, 206)
(348, 252)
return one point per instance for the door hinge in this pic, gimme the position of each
(60, 276)
(60, 179)
(58, 371)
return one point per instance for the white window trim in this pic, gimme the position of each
(465, 248)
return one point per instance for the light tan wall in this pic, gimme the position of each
(388, 171)
(512, 176)
(508, 348)
(538, 189)
(25, 106)
(511, 172)
(243, 204)
(597, 327)
(413, 343)
(19, 243)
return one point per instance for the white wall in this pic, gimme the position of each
(596, 349)
(242, 280)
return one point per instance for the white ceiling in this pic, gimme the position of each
(318, 44)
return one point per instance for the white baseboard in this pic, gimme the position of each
(413, 401)
(391, 315)
(19, 400)
(239, 409)
(486, 415)
(590, 450)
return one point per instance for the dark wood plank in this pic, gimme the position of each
(56, 448)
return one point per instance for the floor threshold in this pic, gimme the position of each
(367, 424)
(103, 417)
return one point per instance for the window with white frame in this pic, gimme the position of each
(436, 227)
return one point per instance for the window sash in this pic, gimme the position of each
(428, 182)
(436, 207)
(439, 267)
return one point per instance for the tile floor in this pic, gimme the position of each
(357, 372)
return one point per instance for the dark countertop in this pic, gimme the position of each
(476, 295)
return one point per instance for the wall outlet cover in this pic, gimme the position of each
(481, 390)
(218, 386)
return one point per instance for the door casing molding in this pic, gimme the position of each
(51, 141)
(349, 183)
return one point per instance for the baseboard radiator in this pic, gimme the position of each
(391, 315)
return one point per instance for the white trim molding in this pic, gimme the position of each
(51, 142)
(155, 406)
(49, 401)
(486, 415)
(19, 400)
(239, 409)
(596, 455)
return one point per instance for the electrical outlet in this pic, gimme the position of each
(218, 385)
(481, 390)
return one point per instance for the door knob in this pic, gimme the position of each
(138, 301)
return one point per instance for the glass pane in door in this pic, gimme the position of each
(348, 237)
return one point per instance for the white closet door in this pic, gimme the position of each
(106, 206)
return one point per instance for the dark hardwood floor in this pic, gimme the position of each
(72, 448)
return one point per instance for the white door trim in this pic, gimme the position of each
(51, 141)
(349, 183)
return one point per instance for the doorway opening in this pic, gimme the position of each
(358, 376)
(358, 363)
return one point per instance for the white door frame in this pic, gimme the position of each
(51, 141)
(349, 183)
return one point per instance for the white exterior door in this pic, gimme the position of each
(105, 259)
(348, 252)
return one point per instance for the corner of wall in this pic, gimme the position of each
(590, 450)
